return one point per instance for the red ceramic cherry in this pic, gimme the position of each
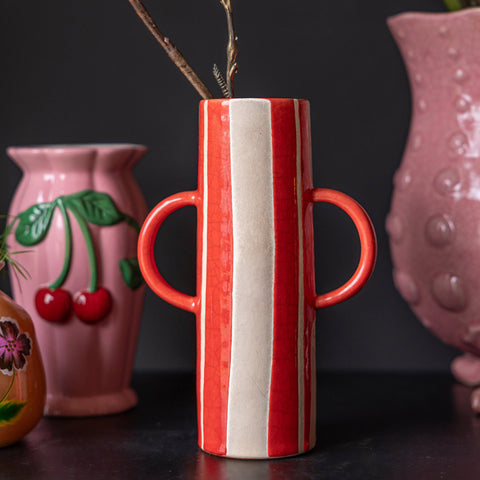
(91, 307)
(53, 305)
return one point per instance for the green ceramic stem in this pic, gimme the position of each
(68, 246)
(90, 249)
(9, 388)
(131, 222)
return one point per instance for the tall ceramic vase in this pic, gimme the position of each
(76, 213)
(256, 299)
(434, 222)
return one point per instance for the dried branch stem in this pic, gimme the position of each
(221, 81)
(232, 47)
(174, 54)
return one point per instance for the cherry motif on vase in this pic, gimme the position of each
(53, 303)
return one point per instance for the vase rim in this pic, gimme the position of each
(252, 99)
(79, 146)
(437, 15)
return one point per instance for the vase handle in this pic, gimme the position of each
(146, 242)
(368, 245)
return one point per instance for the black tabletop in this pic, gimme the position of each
(370, 426)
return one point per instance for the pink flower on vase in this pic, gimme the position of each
(13, 347)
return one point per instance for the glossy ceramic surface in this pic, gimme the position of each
(77, 211)
(22, 378)
(256, 298)
(434, 219)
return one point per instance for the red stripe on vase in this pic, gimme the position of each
(309, 280)
(219, 273)
(284, 396)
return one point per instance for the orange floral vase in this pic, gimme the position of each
(22, 378)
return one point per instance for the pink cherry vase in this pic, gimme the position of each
(434, 222)
(76, 215)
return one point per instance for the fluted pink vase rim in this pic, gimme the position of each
(76, 147)
(433, 15)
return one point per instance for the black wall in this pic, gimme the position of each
(90, 72)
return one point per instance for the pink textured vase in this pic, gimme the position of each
(76, 213)
(434, 224)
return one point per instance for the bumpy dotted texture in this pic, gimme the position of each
(434, 221)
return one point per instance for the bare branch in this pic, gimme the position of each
(232, 47)
(171, 50)
(221, 81)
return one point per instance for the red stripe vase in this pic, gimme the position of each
(256, 300)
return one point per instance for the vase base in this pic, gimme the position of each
(257, 457)
(61, 406)
(466, 369)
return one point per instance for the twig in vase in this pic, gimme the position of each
(174, 54)
(221, 81)
(232, 47)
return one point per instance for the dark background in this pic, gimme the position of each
(90, 72)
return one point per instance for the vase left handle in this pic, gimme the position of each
(146, 243)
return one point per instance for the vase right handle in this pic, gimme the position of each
(368, 246)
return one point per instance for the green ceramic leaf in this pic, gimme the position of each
(453, 4)
(132, 222)
(34, 223)
(94, 207)
(131, 272)
(458, 4)
(9, 411)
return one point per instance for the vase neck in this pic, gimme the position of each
(438, 41)
(77, 158)
(440, 52)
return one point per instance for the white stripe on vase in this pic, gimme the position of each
(253, 277)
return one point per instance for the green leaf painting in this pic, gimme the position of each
(94, 207)
(453, 4)
(34, 223)
(86, 207)
(131, 272)
(9, 411)
(458, 4)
